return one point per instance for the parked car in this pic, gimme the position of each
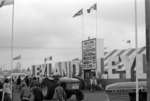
(126, 91)
(71, 87)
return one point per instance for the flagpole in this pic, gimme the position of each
(12, 36)
(96, 20)
(12, 42)
(82, 26)
(136, 46)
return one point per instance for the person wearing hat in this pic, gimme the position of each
(25, 93)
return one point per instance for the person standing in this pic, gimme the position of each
(37, 93)
(59, 93)
(7, 91)
(93, 83)
(27, 81)
(18, 82)
(25, 94)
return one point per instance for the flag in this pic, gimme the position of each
(17, 57)
(6, 2)
(93, 7)
(80, 12)
(128, 41)
(48, 59)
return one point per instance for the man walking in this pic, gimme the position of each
(25, 93)
(37, 93)
(93, 83)
(59, 93)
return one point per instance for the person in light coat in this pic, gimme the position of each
(7, 93)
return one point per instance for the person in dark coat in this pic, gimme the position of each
(18, 82)
(48, 87)
(33, 82)
(37, 93)
(27, 81)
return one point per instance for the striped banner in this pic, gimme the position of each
(114, 54)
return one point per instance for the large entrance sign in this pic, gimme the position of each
(89, 53)
(42, 70)
(92, 53)
(126, 69)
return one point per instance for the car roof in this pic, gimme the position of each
(126, 85)
(67, 79)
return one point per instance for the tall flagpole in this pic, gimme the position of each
(12, 36)
(12, 43)
(96, 19)
(82, 26)
(82, 33)
(136, 46)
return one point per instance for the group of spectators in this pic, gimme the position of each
(93, 84)
(29, 89)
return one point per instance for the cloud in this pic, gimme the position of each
(121, 11)
(46, 27)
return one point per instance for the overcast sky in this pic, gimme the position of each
(45, 28)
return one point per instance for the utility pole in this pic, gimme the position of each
(147, 12)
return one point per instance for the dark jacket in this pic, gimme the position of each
(18, 81)
(37, 93)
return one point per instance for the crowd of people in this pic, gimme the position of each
(29, 89)
(93, 83)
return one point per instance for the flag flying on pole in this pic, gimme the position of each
(80, 12)
(93, 7)
(48, 59)
(17, 57)
(128, 41)
(6, 2)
